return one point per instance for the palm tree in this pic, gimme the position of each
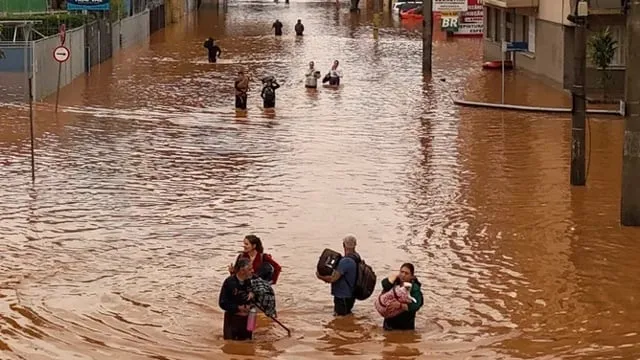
(602, 49)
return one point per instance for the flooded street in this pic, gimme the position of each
(147, 182)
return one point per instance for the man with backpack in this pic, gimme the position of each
(351, 279)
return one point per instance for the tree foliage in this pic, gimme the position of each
(602, 49)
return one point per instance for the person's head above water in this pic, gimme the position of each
(311, 64)
(252, 243)
(243, 268)
(407, 272)
(349, 244)
(335, 64)
(299, 21)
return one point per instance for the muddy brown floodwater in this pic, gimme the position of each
(147, 182)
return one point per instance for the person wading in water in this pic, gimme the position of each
(269, 92)
(334, 75)
(278, 27)
(311, 77)
(343, 278)
(263, 264)
(235, 300)
(299, 28)
(242, 88)
(407, 319)
(213, 49)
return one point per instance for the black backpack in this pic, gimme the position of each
(365, 280)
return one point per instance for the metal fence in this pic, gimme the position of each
(14, 70)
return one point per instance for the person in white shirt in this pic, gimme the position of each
(334, 75)
(311, 77)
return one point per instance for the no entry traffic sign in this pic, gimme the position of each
(61, 54)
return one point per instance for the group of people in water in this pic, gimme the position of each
(277, 27)
(249, 287)
(269, 83)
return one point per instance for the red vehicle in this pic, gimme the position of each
(497, 64)
(412, 14)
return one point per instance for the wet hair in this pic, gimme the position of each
(254, 240)
(241, 264)
(410, 267)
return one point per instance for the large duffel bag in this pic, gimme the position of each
(328, 262)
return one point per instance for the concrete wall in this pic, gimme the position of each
(549, 57)
(555, 11)
(45, 76)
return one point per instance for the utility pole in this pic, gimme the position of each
(427, 35)
(630, 204)
(377, 10)
(578, 94)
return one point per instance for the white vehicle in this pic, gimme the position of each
(405, 4)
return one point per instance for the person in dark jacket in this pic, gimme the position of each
(269, 92)
(299, 28)
(213, 49)
(407, 319)
(235, 300)
(278, 27)
(343, 279)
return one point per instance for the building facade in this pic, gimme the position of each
(543, 25)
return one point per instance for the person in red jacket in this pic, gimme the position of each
(263, 264)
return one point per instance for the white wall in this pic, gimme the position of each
(45, 77)
(555, 11)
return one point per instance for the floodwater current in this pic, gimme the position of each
(147, 181)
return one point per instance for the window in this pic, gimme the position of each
(526, 31)
(531, 37)
(523, 35)
(618, 34)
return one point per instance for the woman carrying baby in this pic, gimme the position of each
(406, 320)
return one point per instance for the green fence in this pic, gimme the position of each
(17, 6)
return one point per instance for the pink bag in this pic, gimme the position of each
(389, 304)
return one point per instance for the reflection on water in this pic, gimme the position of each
(147, 181)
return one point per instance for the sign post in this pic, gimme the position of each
(511, 47)
(61, 54)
